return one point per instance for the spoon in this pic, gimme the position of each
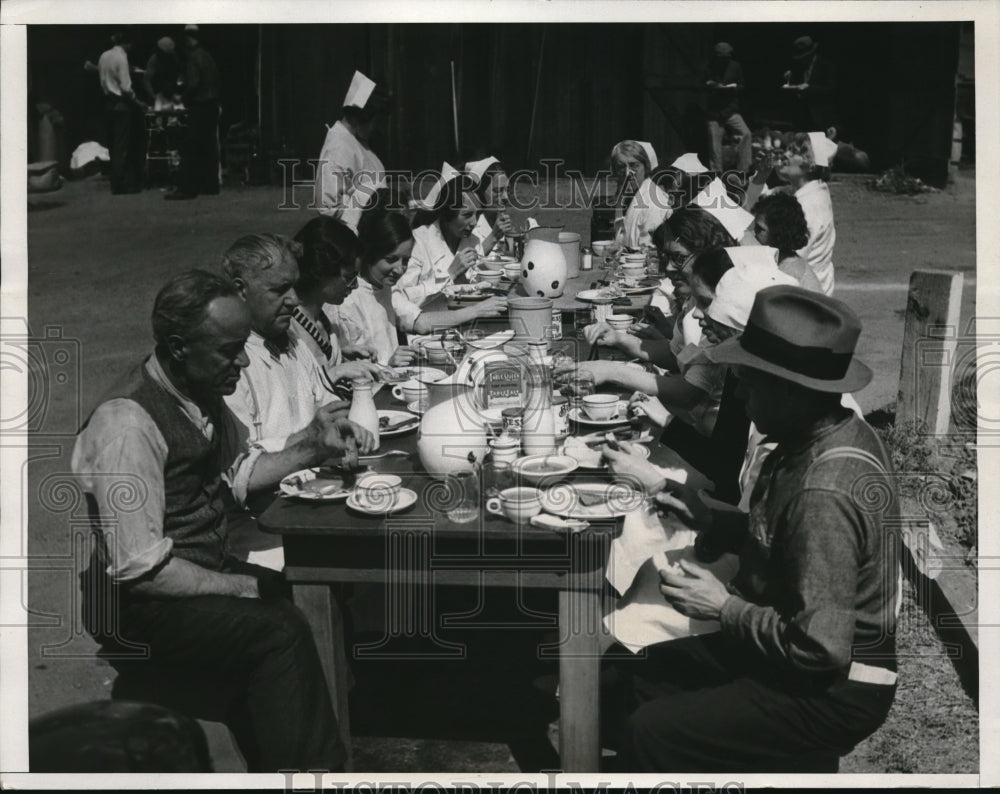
(390, 453)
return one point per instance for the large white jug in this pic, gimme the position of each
(543, 266)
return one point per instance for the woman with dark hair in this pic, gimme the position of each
(328, 273)
(490, 181)
(444, 247)
(780, 223)
(375, 313)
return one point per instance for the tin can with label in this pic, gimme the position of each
(557, 322)
(513, 421)
(560, 413)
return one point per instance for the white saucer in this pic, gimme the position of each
(414, 407)
(418, 372)
(595, 295)
(396, 416)
(563, 500)
(405, 499)
(577, 415)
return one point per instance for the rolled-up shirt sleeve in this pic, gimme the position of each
(821, 552)
(119, 459)
(406, 310)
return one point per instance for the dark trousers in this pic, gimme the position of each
(263, 649)
(706, 704)
(127, 144)
(200, 150)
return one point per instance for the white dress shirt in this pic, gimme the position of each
(649, 207)
(347, 174)
(814, 196)
(369, 316)
(121, 437)
(112, 69)
(278, 393)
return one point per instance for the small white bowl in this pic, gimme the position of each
(490, 275)
(536, 469)
(602, 247)
(620, 322)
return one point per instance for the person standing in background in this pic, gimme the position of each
(813, 80)
(162, 74)
(349, 171)
(725, 81)
(124, 111)
(200, 148)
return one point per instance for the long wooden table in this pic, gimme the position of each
(416, 549)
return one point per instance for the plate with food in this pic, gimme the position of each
(395, 423)
(600, 294)
(424, 374)
(643, 286)
(588, 455)
(467, 292)
(318, 484)
(591, 500)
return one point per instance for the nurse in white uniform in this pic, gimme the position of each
(444, 246)
(349, 170)
(646, 205)
(490, 181)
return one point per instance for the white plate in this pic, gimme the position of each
(397, 416)
(491, 341)
(591, 295)
(563, 500)
(418, 372)
(405, 499)
(290, 485)
(577, 415)
(641, 452)
(414, 407)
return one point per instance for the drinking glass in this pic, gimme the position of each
(463, 489)
(499, 477)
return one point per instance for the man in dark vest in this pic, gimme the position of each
(162, 578)
(803, 665)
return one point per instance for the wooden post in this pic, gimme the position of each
(930, 337)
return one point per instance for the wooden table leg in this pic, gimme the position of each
(579, 680)
(321, 608)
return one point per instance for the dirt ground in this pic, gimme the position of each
(96, 261)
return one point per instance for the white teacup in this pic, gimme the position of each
(506, 448)
(512, 270)
(619, 322)
(630, 270)
(601, 407)
(602, 247)
(377, 491)
(516, 504)
(410, 391)
(490, 275)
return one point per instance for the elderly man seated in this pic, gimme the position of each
(802, 664)
(283, 387)
(162, 578)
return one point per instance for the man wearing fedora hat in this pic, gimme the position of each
(725, 81)
(812, 80)
(803, 666)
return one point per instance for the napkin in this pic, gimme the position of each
(268, 558)
(823, 148)
(644, 617)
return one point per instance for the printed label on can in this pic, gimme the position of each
(557, 322)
